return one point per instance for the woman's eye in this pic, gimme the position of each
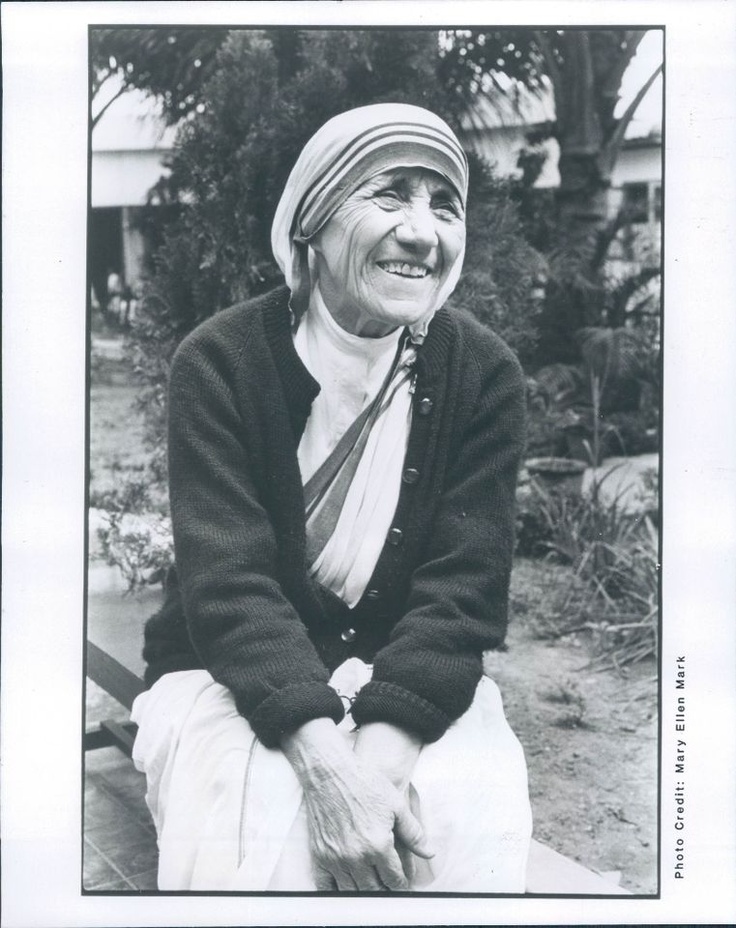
(389, 198)
(446, 208)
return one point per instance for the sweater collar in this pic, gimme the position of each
(299, 385)
(432, 355)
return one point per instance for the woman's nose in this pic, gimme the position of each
(417, 228)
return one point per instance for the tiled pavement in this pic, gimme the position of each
(120, 851)
(119, 838)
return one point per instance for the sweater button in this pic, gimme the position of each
(348, 635)
(410, 475)
(373, 594)
(425, 406)
(395, 537)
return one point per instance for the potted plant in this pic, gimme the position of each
(558, 475)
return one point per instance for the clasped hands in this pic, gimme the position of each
(362, 831)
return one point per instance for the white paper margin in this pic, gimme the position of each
(44, 233)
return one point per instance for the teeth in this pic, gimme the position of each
(406, 270)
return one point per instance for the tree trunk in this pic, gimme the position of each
(586, 71)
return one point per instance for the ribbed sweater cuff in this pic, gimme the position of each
(387, 702)
(287, 709)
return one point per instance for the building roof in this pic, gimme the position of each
(493, 110)
(133, 122)
(518, 107)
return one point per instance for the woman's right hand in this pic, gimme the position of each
(356, 816)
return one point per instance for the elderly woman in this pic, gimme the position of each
(343, 455)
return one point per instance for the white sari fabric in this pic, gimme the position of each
(351, 371)
(230, 815)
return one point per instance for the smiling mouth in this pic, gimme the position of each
(404, 269)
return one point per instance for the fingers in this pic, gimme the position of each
(339, 879)
(369, 880)
(392, 873)
(323, 880)
(365, 879)
(356, 819)
(407, 861)
(345, 882)
(410, 832)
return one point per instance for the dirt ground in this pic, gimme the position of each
(590, 736)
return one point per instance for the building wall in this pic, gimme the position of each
(501, 147)
(639, 165)
(123, 178)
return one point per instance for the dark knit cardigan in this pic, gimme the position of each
(244, 606)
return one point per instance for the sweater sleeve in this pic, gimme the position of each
(242, 626)
(426, 676)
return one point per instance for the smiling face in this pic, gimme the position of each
(384, 257)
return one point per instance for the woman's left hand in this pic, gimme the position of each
(393, 752)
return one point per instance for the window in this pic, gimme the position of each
(642, 202)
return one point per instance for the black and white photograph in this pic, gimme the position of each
(378, 478)
(268, 625)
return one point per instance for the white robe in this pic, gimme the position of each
(229, 812)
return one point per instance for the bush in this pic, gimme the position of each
(614, 589)
(141, 546)
(631, 433)
(134, 530)
(499, 283)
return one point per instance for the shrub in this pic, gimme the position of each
(614, 588)
(570, 702)
(134, 528)
(499, 283)
(141, 546)
(603, 404)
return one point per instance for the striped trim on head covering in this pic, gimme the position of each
(347, 151)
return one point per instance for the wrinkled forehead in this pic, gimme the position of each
(409, 178)
(357, 145)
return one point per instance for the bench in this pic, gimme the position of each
(548, 873)
(123, 685)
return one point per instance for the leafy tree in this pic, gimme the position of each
(170, 63)
(502, 271)
(583, 69)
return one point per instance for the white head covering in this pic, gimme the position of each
(348, 150)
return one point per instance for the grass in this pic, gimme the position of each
(613, 588)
